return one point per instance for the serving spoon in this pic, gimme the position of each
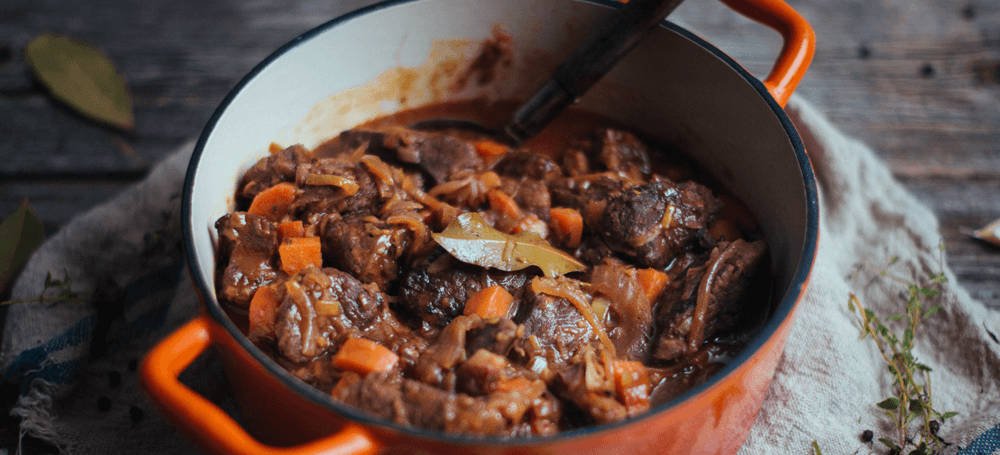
(574, 76)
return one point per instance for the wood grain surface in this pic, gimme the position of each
(918, 80)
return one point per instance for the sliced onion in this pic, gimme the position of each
(418, 227)
(349, 186)
(378, 168)
(450, 186)
(696, 335)
(358, 153)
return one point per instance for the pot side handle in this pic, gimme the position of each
(205, 422)
(799, 42)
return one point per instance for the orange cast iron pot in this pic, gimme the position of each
(740, 133)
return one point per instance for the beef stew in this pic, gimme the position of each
(601, 274)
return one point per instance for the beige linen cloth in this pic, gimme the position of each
(825, 387)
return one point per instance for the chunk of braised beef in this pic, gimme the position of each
(575, 162)
(347, 143)
(379, 393)
(436, 287)
(248, 246)
(532, 196)
(322, 308)
(588, 195)
(526, 164)
(271, 170)
(593, 250)
(728, 276)
(435, 365)
(675, 308)
(653, 223)
(496, 337)
(410, 402)
(322, 197)
(630, 317)
(739, 264)
(441, 156)
(364, 246)
(482, 373)
(621, 151)
(554, 329)
(586, 385)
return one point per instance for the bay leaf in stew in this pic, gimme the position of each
(471, 240)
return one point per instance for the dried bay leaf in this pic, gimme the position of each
(20, 234)
(989, 233)
(83, 78)
(472, 240)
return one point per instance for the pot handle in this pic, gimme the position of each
(799, 42)
(207, 423)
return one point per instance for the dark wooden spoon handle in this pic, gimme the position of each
(587, 65)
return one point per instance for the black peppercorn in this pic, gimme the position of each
(103, 403)
(135, 413)
(866, 436)
(114, 379)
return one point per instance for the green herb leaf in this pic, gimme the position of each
(471, 240)
(20, 234)
(930, 311)
(928, 291)
(82, 77)
(948, 415)
(907, 338)
(816, 450)
(916, 405)
(889, 444)
(889, 403)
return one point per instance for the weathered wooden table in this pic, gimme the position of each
(918, 80)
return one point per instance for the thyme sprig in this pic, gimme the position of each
(65, 287)
(912, 401)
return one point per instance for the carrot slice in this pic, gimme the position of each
(632, 384)
(274, 148)
(504, 204)
(273, 202)
(299, 253)
(567, 225)
(725, 229)
(261, 313)
(290, 229)
(490, 150)
(364, 356)
(490, 303)
(653, 282)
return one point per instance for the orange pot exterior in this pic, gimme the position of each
(284, 416)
